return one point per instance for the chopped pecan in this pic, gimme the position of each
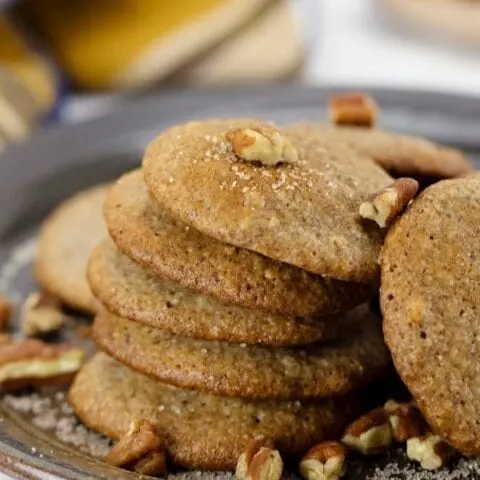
(262, 144)
(34, 362)
(141, 450)
(406, 420)
(355, 109)
(266, 464)
(250, 450)
(369, 434)
(41, 313)
(385, 206)
(430, 451)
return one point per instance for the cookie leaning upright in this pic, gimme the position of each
(258, 187)
(66, 239)
(430, 298)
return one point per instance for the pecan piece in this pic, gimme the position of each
(267, 464)
(355, 109)
(385, 206)
(34, 362)
(250, 450)
(324, 461)
(369, 434)
(41, 313)
(405, 420)
(141, 450)
(430, 451)
(262, 144)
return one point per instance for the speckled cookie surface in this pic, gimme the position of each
(305, 214)
(201, 431)
(402, 155)
(252, 371)
(66, 239)
(232, 275)
(430, 298)
(132, 292)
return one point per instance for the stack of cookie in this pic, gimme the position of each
(235, 286)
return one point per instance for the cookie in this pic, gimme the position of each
(250, 47)
(232, 275)
(201, 431)
(132, 292)
(250, 371)
(401, 155)
(66, 239)
(430, 297)
(304, 213)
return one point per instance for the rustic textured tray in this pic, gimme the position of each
(39, 436)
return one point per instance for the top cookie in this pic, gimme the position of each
(232, 275)
(430, 298)
(304, 212)
(401, 155)
(66, 239)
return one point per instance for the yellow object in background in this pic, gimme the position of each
(28, 85)
(132, 43)
(269, 48)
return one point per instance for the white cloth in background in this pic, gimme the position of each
(354, 45)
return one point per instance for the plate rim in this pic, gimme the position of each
(18, 167)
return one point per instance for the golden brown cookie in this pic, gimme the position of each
(430, 297)
(201, 431)
(401, 155)
(232, 275)
(66, 239)
(132, 292)
(251, 371)
(303, 211)
(252, 49)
